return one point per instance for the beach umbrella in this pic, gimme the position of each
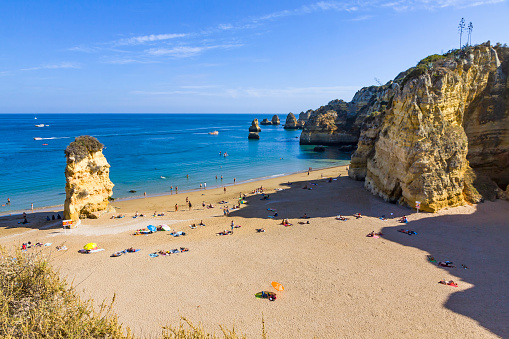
(90, 246)
(152, 228)
(278, 286)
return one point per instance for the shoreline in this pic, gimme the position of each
(55, 207)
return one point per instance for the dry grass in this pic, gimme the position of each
(36, 303)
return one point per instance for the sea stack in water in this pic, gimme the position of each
(275, 120)
(254, 126)
(88, 185)
(266, 122)
(291, 121)
(253, 135)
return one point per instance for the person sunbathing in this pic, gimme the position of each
(260, 230)
(131, 249)
(210, 206)
(403, 219)
(184, 249)
(446, 264)
(450, 283)
(201, 223)
(339, 217)
(357, 215)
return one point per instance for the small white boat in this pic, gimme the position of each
(40, 125)
(214, 133)
(37, 138)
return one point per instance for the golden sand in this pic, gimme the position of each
(338, 282)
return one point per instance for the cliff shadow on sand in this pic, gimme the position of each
(480, 242)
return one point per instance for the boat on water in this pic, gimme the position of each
(41, 125)
(37, 138)
(214, 133)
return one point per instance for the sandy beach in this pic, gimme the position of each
(338, 282)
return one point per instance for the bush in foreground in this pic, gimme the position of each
(36, 303)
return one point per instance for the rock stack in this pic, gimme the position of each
(291, 121)
(275, 120)
(303, 118)
(266, 122)
(88, 186)
(254, 129)
(254, 126)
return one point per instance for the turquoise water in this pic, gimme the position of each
(147, 153)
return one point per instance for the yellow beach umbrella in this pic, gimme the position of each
(90, 246)
(278, 286)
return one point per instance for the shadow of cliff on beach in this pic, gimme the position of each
(322, 199)
(480, 242)
(36, 220)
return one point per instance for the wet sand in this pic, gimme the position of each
(338, 282)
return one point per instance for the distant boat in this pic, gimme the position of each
(37, 138)
(35, 118)
(41, 125)
(214, 133)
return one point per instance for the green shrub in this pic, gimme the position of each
(82, 146)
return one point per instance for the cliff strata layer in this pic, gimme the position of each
(88, 185)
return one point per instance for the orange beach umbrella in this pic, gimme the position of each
(278, 286)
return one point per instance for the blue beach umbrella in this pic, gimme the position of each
(152, 228)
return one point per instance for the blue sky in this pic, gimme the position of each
(220, 56)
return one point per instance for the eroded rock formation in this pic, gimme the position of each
(275, 120)
(432, 123)
(266, 122)
(88, 185)
(303, 118)
(291, 121)
(254, 126)
(339, 122)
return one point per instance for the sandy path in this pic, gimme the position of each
(339, 283)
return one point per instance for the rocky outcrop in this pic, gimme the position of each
(254, 126)
(266, 122)
(303, 118)
(424, 131)
(291, 121)
(253, 135)
(344, 129)
(88, 186)
(275, 120)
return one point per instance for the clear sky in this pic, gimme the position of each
(220, 56)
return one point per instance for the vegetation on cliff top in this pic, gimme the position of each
(82, 146)
(36, 303)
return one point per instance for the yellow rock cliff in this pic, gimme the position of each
(88, 185)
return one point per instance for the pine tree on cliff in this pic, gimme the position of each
(461, 28)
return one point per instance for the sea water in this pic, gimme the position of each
(147, 153)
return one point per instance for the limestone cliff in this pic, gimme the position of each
(88, 185)
(291, 121)
(347, 117)
(423, 131)
(303, 118)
